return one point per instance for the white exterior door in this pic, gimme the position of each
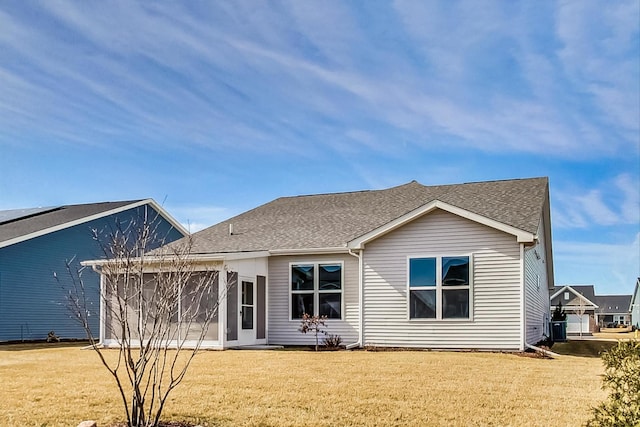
(247, 312)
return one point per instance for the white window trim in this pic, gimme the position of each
(316, 291)
(439, 287)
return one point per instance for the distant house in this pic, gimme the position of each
(36, 243)
(465, 266)
(634, 306)
(598, 311)
(578, 303)
(613, 310)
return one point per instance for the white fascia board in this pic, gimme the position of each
(559, 292)
(576, 293)
(310, 251)
(167, 216)
(89, 218)
(582, 297)
(521, 235)
(577, 307)
(231, 256)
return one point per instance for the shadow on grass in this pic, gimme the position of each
(586, 348)
(40, 345)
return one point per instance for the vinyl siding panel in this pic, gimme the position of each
(284, 331)
(537, 308)
(635, 306)
(495, 322)
(32, 302)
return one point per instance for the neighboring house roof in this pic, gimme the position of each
(23, 224)
(334, 220)
(577, 293)
(12, 215)
(613, 304)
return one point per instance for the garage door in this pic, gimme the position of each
(573, 324)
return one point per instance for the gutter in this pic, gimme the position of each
(360, 301)
(155, 259)
(103, 314)
(523, 306)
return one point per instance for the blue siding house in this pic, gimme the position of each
(35, 245)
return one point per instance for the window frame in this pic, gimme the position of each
(439, 287)
(316, 288)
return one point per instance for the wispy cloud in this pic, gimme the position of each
(613, 268)
(332, 95)
(612, 202)
(600, 52)
(462, 71)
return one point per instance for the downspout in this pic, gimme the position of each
(546, 352)
(523, 317)
(103, 309)
(360, 301)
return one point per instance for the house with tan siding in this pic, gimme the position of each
(465, 266)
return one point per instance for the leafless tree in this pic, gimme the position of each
(157, 305)
(579, 310)
(313, 324)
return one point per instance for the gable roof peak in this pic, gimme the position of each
(46, 221)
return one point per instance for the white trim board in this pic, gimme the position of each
(521, 235)
(573, 291)
(89, 218)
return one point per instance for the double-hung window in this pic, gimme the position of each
(439, 287)
(316, 289)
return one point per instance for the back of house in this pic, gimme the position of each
(463, 266)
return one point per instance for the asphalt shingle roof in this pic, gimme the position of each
(607, 304)
(588, 291)
(613, 304)
(27, 224)
(332, 220)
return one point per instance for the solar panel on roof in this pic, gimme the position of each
(14, 214)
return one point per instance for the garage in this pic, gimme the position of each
(573, 324)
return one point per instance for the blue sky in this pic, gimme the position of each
(213, 108)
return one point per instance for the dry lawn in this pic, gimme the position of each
(616, 335)
(43, 385)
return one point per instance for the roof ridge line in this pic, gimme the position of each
(337, 193)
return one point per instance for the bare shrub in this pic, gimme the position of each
(157, 307)
(313, 324)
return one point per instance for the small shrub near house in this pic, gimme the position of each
(622, 380)
(332, 342)
(52, 337)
